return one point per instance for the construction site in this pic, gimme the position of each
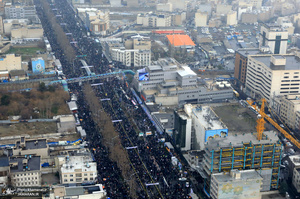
(245, 152)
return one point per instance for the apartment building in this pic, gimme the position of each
(154, 20)
(236, 184)
(275, 37)
(243, 152)
(231, 18)
(97, 21)
(132, 57)
(25, 171)
(4, 171)
(290, 104)
(77, 168)
(19, 11)
(272, 75)
(201, 19)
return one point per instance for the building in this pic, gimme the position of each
(97, 21)
(223, 9)
(77, 168)
(21, 12)
(38, 147)
(10, 62)
(231, 18)
(271, 75)
(275, 37)
(4, 171)
(178, 18)
(26, 34)
(154, 20)
(249, 18)
(80, 192)
(132, 57)
(243, 152)
(296, 179)
(9, 23)
(195, 125)
(236, 184)
(201, 19)
(25, 171)
(178, 4)
(164, 7)
(181, 42)
(167, 82)
(290, 104)
(240, 64)
(182, 130)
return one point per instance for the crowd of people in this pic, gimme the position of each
(154, 171)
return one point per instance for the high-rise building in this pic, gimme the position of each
(231, 18)
(275, 37)
(272, 75)
(21, 12)
(243, 152)
(201, 19)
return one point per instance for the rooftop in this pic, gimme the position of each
(239, 140)
(4, 161)
(33, 144)
(33, 164)
(187, 71)
(292, 62)
(244, 176)
(81, 162)
(295, 159)
(180, 40)
(207, 117)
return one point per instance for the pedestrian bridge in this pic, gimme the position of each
(92, 77)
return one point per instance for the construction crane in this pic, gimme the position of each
(261, 122)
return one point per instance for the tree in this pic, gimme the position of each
(5, 100)
(42, 87)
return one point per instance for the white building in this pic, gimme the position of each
(154, 20)
(165, 7)
(25, 171)
(201, 19)
(129, 57)
(197, 124)
(231, 18)
(275, 37)
(82, 192)
(79, 169)
(272, 75)
(296, 179)
(236, 184)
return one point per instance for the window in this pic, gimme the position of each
(85, 174)
(296, 76)
(65, 180)
(91, 179)
(91, 174)
(85, 179)
(71, 180)
(65, 175)
(71, 175)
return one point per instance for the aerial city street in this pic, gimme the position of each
(166, 99)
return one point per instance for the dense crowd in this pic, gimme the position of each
(150, 161)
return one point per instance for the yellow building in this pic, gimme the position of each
(10, 62)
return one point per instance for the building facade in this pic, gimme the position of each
(25, 172)
(236, 184)
(244, 152)
(201, 19)
(272, 75)
(154, 20)
(132, 57)
(275, 37)
(21, 12)
(290, 105)
(77, 169)
(296, 179)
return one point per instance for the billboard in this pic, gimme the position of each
(209, 134)
(143, 76)
(38, 65)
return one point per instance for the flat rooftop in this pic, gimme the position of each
(239, 140)
(33, 144)
(249, 51)
(295, 159)
(206, 116)
(245, 175)
(79, 162)
(33, 163)
(292, 62)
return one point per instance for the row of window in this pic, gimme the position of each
(25, 179)
(27, 183)
(25, 174)
(77, 180)
(71, 175)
